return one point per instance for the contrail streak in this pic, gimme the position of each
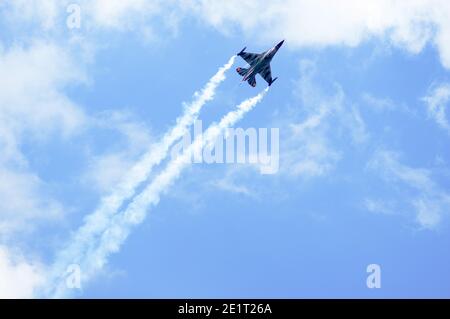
(95, 223)
(120, 225)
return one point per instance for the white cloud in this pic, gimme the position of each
(355, 124)
(31, 99)
(18, 277)
(229, 182)
(107, 169)
(120, 14)
(42, 12)
(317, 23)
(32, 107)
(408, 24)
(378, 104)
(303, 23)
(308, 152)
(379, 206)
(308, 148)
(428, 212)
(437, 101)
(389, 163)
(24, 203)
(32, 17)
(418, 190)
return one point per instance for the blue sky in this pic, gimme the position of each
(360, 103)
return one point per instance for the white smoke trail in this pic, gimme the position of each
(95, 223)
(121, 224)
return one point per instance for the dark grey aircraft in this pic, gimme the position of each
(258, 63)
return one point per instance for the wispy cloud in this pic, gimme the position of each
(310, 132)
(308, 151)
(32, 98)
(229, 183)
(437, 101)
(18, 277)
(380, 206)
(418, 191)
(24, 204)
(378, 104)
(33, 107)
(107, 168)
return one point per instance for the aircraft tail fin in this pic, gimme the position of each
(242, 51)
(273, 81)
(242, 71)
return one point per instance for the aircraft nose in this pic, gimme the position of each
(279, 45)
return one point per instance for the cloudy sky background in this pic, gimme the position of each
(361, 103)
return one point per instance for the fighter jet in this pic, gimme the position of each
(258, 63)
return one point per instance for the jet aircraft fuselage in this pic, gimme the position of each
(258, 64)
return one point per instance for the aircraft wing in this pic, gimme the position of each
(252, 81)
(266, 74)
(249, 57)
